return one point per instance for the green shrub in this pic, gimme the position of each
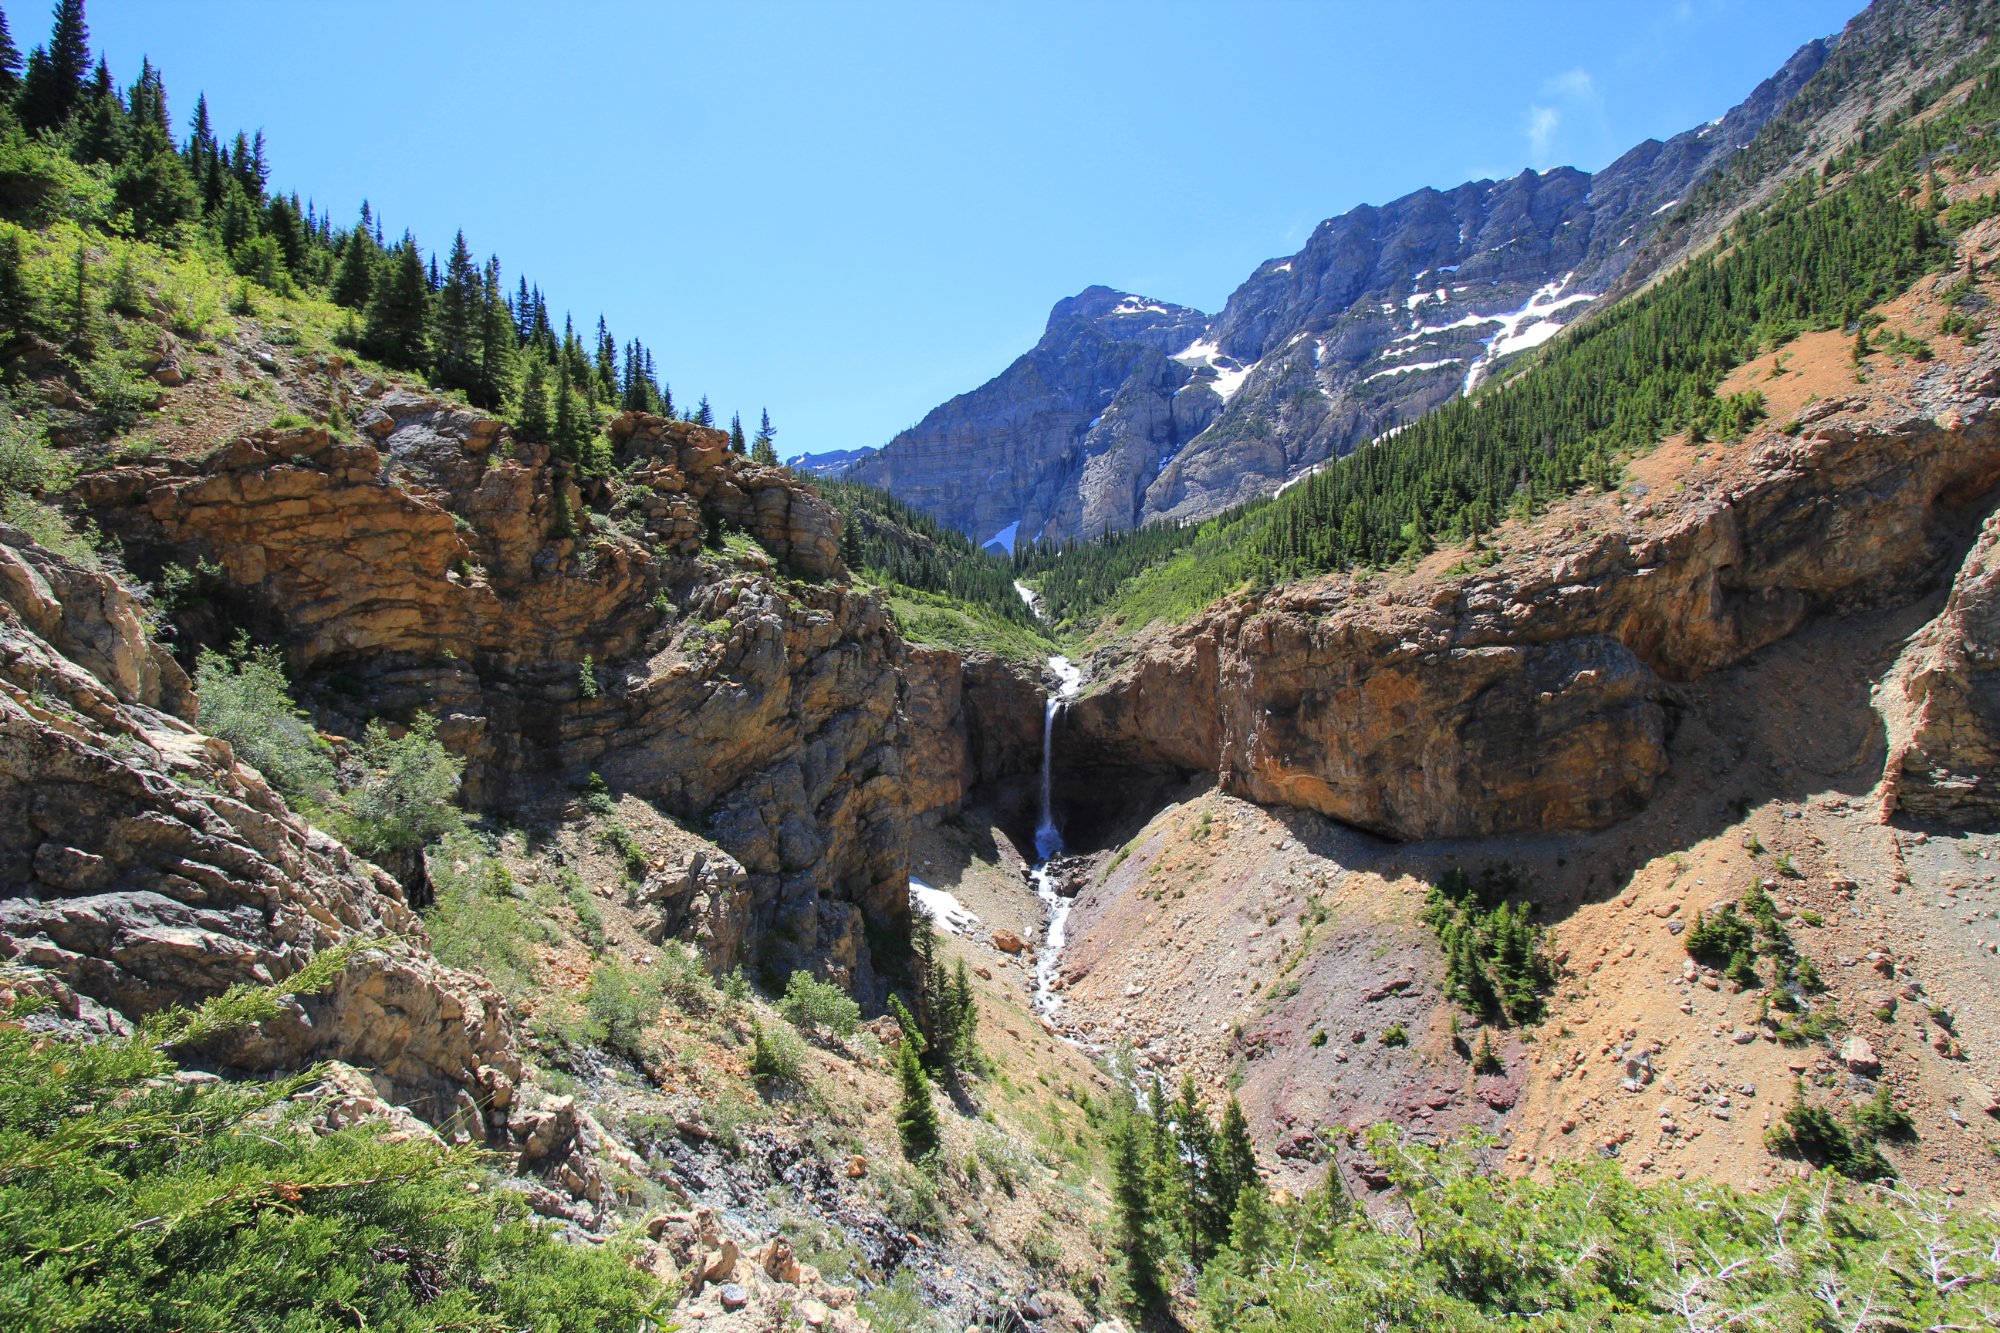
(475, 918)
(1395, 1035)
(246, 700)
(407, 793)
(811, 1003)
(621, 1003)
(1816, 1135)
(1495, 963)
(1714, 940)
(776, 1055)
(136, 1201)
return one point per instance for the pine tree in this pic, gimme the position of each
(354, 280)
(397, 310)
(152, 187)
(704, 415)
(606, 364)
(850, 543)
(17, 306)
(737, 444)
(53, 88)
(10, 62)
(916, 1114)
(495, 341)
(531, 418)
(1235, 1159)
(458, 314)
(565, 436)
(148, 101)
(964, 1008)
(201, 145)
(763, 449)
(1132, 1200)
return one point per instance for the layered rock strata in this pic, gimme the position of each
(1538, 695)
(556, 631)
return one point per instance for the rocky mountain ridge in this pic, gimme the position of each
(1385, 313)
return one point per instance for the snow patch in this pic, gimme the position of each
(1420, 298)
(1206, 354)
(1414, 365)
(1530, 326)
(1285, 267)
(1134, 305)
(1664, 207)
(1004, 539)
(951, 915)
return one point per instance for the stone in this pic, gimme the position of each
(733, 1296)
(1006, 941)
(1858, 1055)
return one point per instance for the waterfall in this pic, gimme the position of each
(1048, 834)
(1049, 843)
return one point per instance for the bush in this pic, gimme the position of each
(811, 1003)
(1495, 964)
(776, 1055)
(476, 920)
(621, 1003)
(1714, 940)
(135, 1201)
(246, 700)
(1816, 1135)
(406, 796)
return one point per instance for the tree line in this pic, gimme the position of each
(452, 320)
(1816, 257)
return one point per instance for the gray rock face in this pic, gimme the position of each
(1131, 410)
(141, 867)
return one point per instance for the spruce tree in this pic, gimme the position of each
(1235, 1159)
(704, 415)
(397, 310)
(201, 143)
(964, 1020)
(1132, 1201)
(152, 187)
(10, 62)
(531, 418)
(850, 543)
(354, 280)
(565, 437)
(763, 449)
(916, 1114)
(53, 89)
(495, 341)
(458, 314)
(737, 444)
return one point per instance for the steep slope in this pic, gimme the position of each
(1131, 410)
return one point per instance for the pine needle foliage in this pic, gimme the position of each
(134, 1200)
(1495, 965)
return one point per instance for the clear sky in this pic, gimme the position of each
(849, 212)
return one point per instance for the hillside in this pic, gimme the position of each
(484, 846)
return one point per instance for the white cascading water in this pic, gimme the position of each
(1048, 835)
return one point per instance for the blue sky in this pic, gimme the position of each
(850, 212)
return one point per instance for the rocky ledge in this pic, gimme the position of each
(1539, 694)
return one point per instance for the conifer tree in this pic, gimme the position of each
(531, 418)
(850, 543)
(763, 449)
(354, 280)
(566, 437)
(916, 1114)
(397, 310)
(152, 187)
(53, 88)
(737, 444)
(201, 143)
(1235, 1159)
(495, 341)
(10, 62)
(964, 1009)
(704, 415)
(1132, 1200)
(458, 315)
(606, 364)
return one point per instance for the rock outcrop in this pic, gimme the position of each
(559, 629)
(1538, 695)
(973, 721)
(141, 867)
(1941, 704)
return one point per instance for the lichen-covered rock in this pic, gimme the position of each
(141, 867)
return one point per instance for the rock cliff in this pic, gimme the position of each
(1538, 694)
(141, 866)
(435, 565)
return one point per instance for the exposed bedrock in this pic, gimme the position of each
(141, 866)
(1538, 694)
(438, 566)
